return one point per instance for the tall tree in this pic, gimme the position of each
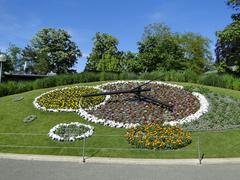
(131, 62)
(156, 30)
(196, 51)
(14, 55)
(105, 55)
(13, 59)
(159, 49)
(52, 50)
(228, 43)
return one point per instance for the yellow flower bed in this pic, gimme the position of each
(158, 136)
(69, 98)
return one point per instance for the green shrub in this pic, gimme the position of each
(199, 89)
(108, 76)
(190, 76)
(236, 84)
(212, 79)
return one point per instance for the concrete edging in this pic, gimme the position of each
(106, 160)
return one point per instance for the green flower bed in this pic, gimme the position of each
(224, 113)
(69, 98)
(158, 136)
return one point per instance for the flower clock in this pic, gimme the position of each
(159, 103)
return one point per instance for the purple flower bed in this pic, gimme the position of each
(125, 108)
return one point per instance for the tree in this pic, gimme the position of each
(196, 51)
(159, 49)
(235, 4)
(13, 59)
(156, 30)
(105, 55)
(14, 55)
(228, 43)
(52, 50)
(131, 62)
(228, 47)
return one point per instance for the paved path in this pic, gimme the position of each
(40, 170)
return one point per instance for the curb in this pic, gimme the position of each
(105, 160)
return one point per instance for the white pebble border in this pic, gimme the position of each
(204, 106)
(56, 137)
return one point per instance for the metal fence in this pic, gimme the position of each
(90, 147)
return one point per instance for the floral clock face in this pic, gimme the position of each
(125, 110)
(67, 99)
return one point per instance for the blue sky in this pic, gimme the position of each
(124, 19)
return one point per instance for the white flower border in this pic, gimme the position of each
(202, 110)
(204, 105)
(56, 137)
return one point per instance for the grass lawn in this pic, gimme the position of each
(106, 141)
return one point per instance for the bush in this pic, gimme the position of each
(213, 79)
(199, 89)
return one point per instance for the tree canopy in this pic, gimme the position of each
(228, 43)
(196, 51)
(105, 55)
(52, 50)
(162, 49)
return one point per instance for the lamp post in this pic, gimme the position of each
(2, 59)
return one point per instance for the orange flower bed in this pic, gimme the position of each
(158, 136)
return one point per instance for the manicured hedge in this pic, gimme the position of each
(224, 81)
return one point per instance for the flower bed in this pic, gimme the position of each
(224, 113)
(70, 132)
(125, 111)
(67, 99)
(158, 136)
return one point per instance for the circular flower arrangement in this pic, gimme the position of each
(124, 110)
(70, 132)
(158, 136)
(67, 99)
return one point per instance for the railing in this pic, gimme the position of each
(94, 146)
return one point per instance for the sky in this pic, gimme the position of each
(20, 20)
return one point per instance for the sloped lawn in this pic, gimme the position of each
(31, 138)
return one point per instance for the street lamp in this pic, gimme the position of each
(2, 59)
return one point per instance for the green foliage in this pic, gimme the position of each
(162, 49)
(225, 81)
(228, 43)
(52, 50)
(196, 51)
(228, 47)
(67, 131)
(200, 89)
(156, 30)
(224, 113)
(105, 55)
(131, 62)
(235, 4)
(13, 59)
(160, 52)
(212, 79)
(216, 144)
